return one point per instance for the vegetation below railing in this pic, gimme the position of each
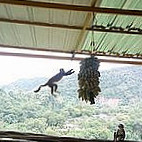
(120, 102)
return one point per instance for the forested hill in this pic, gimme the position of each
(122, 82)
(65, 115)
(117, 83)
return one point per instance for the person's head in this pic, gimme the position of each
(121, 126)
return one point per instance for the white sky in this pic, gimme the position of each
(13, 68)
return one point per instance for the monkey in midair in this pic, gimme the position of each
(51, 82)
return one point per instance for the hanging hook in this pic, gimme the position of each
(73, 55)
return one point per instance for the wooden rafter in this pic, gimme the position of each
(20, 136)
(28, 55)
(42, 24)
(83, 33)
(73, 7)
(115, 31)
(67, 52)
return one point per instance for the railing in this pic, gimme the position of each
(18, 136)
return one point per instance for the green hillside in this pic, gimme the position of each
(65, 115)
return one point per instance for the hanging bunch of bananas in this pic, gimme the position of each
(89, 79)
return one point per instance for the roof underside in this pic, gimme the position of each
(118, 43)
(38, 28)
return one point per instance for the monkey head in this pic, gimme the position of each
(62, 70)
(121, 126)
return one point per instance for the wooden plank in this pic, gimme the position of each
(42, 24)
(28, 55)
(83, 34)
(69, 52)
(115, 31)
(73, 7)
(42, 138)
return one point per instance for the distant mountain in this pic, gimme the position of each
(25, 84)
(117, 83)
(122, 82)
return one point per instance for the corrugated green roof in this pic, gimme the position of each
(70, 39)
(117, 43)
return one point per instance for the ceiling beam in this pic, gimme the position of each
(115, 31)
(41, 24)
(83, 34)
(73, 7)
(70, 52)
(28, 55)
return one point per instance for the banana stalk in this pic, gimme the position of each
(88, 79)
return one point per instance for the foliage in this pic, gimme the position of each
(120, 102)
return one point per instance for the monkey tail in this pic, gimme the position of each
(37, 90)
(40, 87)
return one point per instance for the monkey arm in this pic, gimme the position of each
(123, 137)
(69, 72)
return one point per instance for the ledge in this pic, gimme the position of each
(18, 136)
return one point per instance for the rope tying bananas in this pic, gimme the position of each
(89, 79)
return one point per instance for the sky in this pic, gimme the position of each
(14, 68)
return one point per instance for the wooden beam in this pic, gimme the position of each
(17, 136)
(83, 33)
(114, 31)
(46, 138)
(41, 24)
(73, 7)
(28, 55)
(69, 52)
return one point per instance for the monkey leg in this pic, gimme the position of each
(56, 87)
(51, 85)
(52, 88)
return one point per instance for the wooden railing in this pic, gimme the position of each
(18, 136)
